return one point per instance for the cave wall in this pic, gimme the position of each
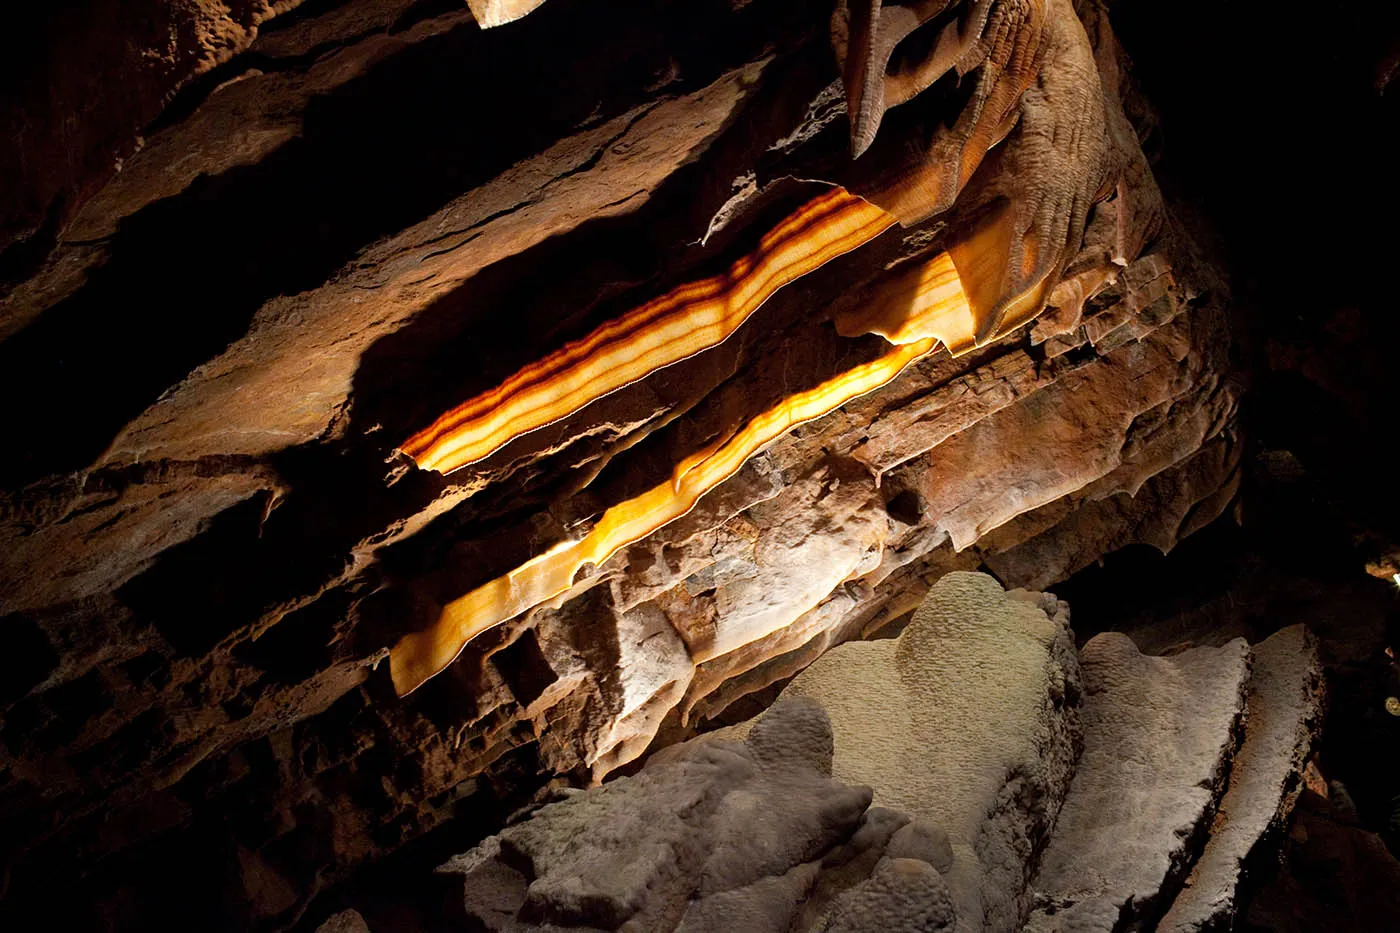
(66, 132)
(208, 544)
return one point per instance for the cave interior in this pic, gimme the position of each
(699, 465)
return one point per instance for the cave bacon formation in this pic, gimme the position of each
(923, 309)
(1025, 159)
(666, 330)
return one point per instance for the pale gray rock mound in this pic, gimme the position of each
(712, 835)
(1159, 733)
(902, 896)
(766, 906)
(1285, 696)
(968, 722)
(923, 841)
(849, 865)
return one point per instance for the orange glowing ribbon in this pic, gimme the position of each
(923, 307)
(664, 331)
(421, 655)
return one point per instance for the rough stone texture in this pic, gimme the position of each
(713, 835)
(1285, 695)
(1159, 734)
(66, 133)
(969, 721)
(347, 921)
(336, 235)
(902, 894)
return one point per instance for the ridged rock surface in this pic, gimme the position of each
(964, 734)
(1159, 734)
(1284, 710)
(970, 721)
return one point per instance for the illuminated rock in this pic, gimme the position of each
(1159, 734)
(490, 13)
(1040, 120)
(661, 332)
(924, 301)
(919, 310)
(1051, 170)
(1284, 712)
(752, 826)
(421, 655)
(969, 721)
(901, 894)
(750, 835)
(866, 35)
(347, 921)
(1001, 39)
(63, 148)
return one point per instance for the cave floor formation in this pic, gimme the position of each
(1129, 758)
(731, 465)
(1314, 674)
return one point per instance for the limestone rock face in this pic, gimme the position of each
(1285, 695)
(333, 222)
(714, 835)
(969, 721)
(1159, 734)
(68, 134)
